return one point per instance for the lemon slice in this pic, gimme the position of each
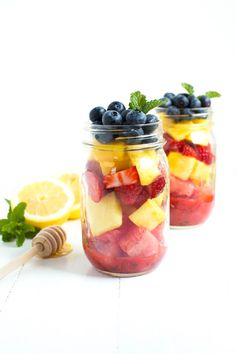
(49, 202)
(72, 181)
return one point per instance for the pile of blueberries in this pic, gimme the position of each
(185, 104)
(133, 126)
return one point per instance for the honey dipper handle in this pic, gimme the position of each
(8, 268)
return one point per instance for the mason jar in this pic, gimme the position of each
(190, 149)
(124, 205)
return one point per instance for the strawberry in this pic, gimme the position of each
(171, 144)
(129, 194)
(142, 197)
(121, 178)
(95, 186)
(204, 154)
(187, 148)
(156, 187)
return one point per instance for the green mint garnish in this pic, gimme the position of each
(212, 94)
(139, 102)
(189, 88)
(15, 227)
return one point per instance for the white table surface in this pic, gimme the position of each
(186, 306)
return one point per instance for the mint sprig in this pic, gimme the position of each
(189, 88)
(14, 226)
(212, 94)
(139, 102)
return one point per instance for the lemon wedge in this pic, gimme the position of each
(49, 202)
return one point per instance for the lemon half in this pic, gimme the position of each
(72, 181)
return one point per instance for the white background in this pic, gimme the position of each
(58, 59)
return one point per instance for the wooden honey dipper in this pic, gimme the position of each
(46, 243)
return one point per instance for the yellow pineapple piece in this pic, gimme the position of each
(181, 166)
(159, 199)
(200, 136)
(149, 215)
(105, 215)
(178, 131)
(146, 162)
(201, 172)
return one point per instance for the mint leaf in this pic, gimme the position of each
(15, 227)
(137, 101)
(189, 88)
(152, 104)
(212, 94)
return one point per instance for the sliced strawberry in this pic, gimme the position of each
(129, 194)
(95, 186)
(180, 187)
(139, 242)
(171, 144)
(205, 154)
(121, 178)
(187, 148)
(156, 187)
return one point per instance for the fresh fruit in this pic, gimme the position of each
(187, 148)
(94, 185)
(156, 187)
(136, 117)
(181, 166)
(158, 232)
(72, 181)
(104, 137)
(194, 102)
(111, 118)
(146, 162)
(94, 166)
(201, 172)
(116, 106)
(96, 114)
(149, 215)
(169, 95)
(186, 111)
(121, 178)
(205, 101)
(199, 136)
(181, 101)
(173, 111)
(49, 202)
(167, 102)
(107, 243)
(204, 154)
(133, 136)
(139, 242)
(151, 120)
(171, 144)
(177, 131)
(124, 114)
(105, 215)
(180, 187)
(128, 195)
(142, 198)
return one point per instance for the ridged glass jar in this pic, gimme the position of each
(124, 205)
(190, 149)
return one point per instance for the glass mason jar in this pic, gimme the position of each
(124, 198)
(190, 149)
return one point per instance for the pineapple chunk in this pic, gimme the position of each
(149, 215)
(146, 163)
(105, 215)
(159, 199)
(181, 166)
(178, 131)
(200, 137)
(201, 172)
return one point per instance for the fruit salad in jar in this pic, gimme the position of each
(190, 149)
(124, 188)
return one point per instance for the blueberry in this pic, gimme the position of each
(194, 102)
(150, 140)
(132, 136)
(172, 110)
(111, 118)
(169, 95)
(124, 114)
(184, 94)
(186, 111)
(205, 101)
(167, 103)
(96, 114)
(151, 118)
(181, 101)
(116, 106)
(136, 117)
(104, 138)
(97, 122)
